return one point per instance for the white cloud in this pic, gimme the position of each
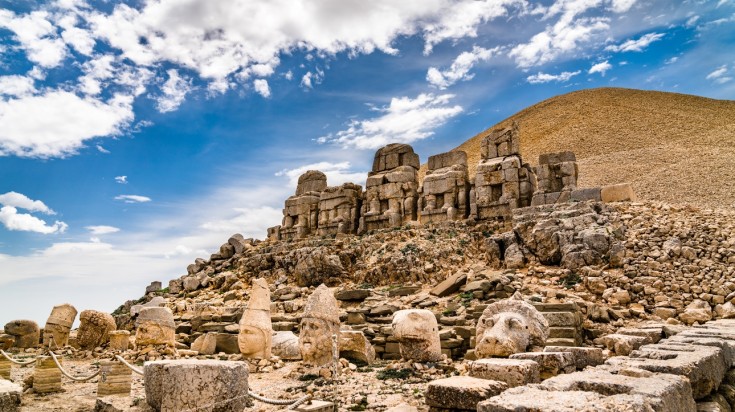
(288, 75)
(404, 120)
(16, 86)
(121, 179)
(102, 229)
(337, 173)
(719, 75)
(58, 123)
(96, 70)
(262, 88)
(133, 198)
(601, 68)
(460, 68)
(692, 21)
(672, 60)
(22, 201)
(12, 220)
(174, 92)
(621, 6)
(37, 35)
(636, 45)
(101, 149)
(540, 77)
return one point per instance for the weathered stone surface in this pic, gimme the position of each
(46, 375)
(339, 209)
(551, 363)
(697, 311)
(10, 395)
(254, 338)
(154, 302)
(205, 344)
(317, 267)
(461, 392)
(622, 192)
(351, 294)
(622, 344)
(510, 326)
(354, 345)
(94, 328)
(239, 243)
(445, 189)
(155, 326)
(583, 356)
(177, 385)
(449, 285)
(318, 324)
(417, 333)
(514, 372)
(119, 340)
(58, 325)
(115, 379)
(285, 345)
(25, 333)
(112, 404)
(155, 286)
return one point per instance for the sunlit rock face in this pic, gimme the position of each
(417, 333)
(254, 339)
(94, 329)
(58, 325)
(510, 326)
(155, 326)
(444, 193)
(319, 323)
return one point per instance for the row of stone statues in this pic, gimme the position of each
(393, 195)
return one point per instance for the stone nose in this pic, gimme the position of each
(489, 340)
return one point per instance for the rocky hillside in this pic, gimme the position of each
(673, 148)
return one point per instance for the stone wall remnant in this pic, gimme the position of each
(256, 330)
(94, 329)
(58, 325)
(510, 326)
(391, 189)
(319, 322)
(301, 211)
(557, 178)
(444, 194)
(339, 209)
(418, 335)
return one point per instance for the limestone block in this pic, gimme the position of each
(228, 343)
(10, 395)
(155, 326)
(352, 294)
(514, 372)
(704, 366)
(622, 345)
(155, 302)
(239, 243)
(25, 333)
(697, 311)
(581, 195)
(617, 193)
(510, 326)
(191, 283)
(449, 285)
(447, 159)
(285, 345)
(115, 379)
(155, 286)
(354, 345)
(654, 334)
(461, 392)
(177, 385)
(58, 324)
(119, 340)
(551, 363)
(46, 375)
(583, 356)
(205, 344)
(316, 406)
(5, 368)
(417, 332)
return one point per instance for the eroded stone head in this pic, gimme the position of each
(58, 325)
(254, 339)
(25, 333)
(510, 326)
(417, 333)
(94, 328)
(155, 326)
(319, 322)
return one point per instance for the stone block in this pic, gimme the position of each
(562, 319)
(622, 345)
(461, 392)
(449, 285)
(583, 356)
(316, 406)
(352, 294)
(551, 363)
(514, 372)
(581, 195)
(354, 345)
(115, 379)
(177, 385)
(617, 193)
(535, 399)
(205, 344)
(10, 395)
(46, 375)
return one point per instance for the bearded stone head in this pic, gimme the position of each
(94, 328)
(510, 326)
(417, 333)
(319, 323)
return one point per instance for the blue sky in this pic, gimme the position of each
(136, 136)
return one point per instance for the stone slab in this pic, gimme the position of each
(514, 372)
(551, 363)
(449, 285)
(316, 406)
(461, 392)
(583, 356)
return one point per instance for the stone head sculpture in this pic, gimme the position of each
(418, 335)
(58, 325)
(510, 326)
(319, 322)
(155, 326)
(94, 328)
(26, 333)
(254, 339)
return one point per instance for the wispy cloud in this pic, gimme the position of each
(541, 77)
(123, 180)
(22, 201)
(133, 198)
(636, 45)
(174, 92)
(720, 75)
(460, 68)
(102, 229)
(601, 67)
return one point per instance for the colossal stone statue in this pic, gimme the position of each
(300, 214)
(94, 329)
(391, 189)
(254, 339)
(155, 326)
(58, 325)
(25, 332)
(339, 208)
(557, 178)
(418, 335)
(319, 322)
(445, 190)
(510, 326)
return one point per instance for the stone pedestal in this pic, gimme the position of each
(46, 376)
(202, 385)
(115, 379)
(5, 367)
(119, 340)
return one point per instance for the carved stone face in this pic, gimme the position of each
(315, 341)
(252, 341)
(505, 334)
(418, 335)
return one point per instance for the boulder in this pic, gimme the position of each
(205, 344)
(354, 345)
(697, 311)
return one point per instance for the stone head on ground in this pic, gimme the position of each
(319, 322)
(256, 330)
(417, 333)
(26, 333)
(155, 326)
(58, 325)
(510, 326)
(94, 328)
